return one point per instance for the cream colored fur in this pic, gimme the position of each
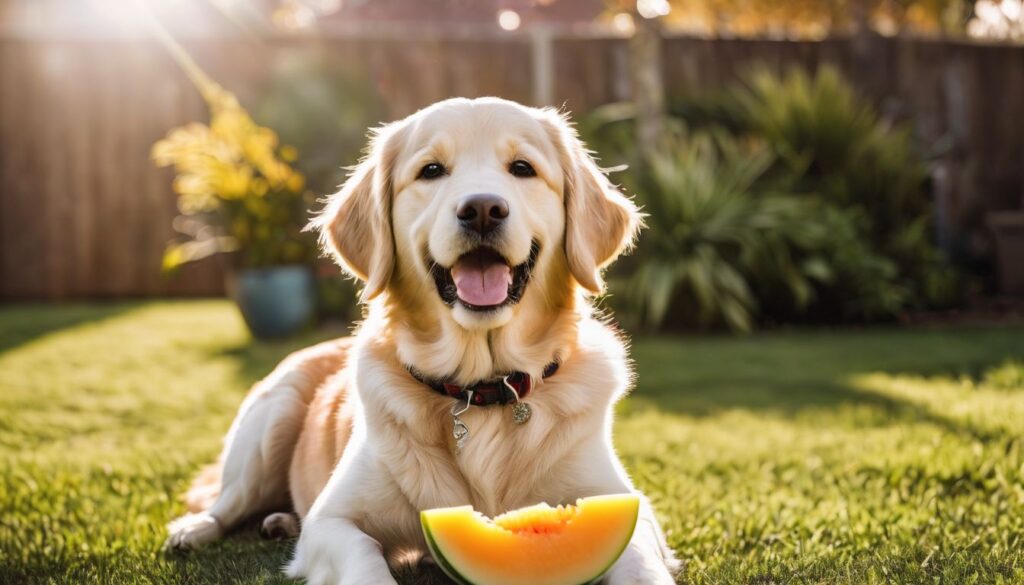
(363, 445)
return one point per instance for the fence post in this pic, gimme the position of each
(543, 54)
(648, 85)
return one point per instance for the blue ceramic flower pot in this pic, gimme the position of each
(276, 301)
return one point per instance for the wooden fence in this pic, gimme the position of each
(84, 213)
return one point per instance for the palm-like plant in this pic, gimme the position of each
(794, 201)
(714, 234)
(839, 149)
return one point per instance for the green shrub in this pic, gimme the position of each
(861, 285)
(710, 244)
(836, 147)
(792, 203)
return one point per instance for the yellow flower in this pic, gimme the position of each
(289, 153)
(232, 174)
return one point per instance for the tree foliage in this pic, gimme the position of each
(812, 18)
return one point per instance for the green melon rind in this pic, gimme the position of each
(625, 545)
(435, 551)
(439, 557)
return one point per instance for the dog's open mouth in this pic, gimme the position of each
(483, 280)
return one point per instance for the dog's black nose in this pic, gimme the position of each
(482, 212)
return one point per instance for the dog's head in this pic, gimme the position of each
(478, 207)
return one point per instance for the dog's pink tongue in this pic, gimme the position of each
(481, 283)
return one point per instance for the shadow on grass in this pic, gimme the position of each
(242, 557)
(803, 374)
(245, 557)
(24, 323)
(798, 401)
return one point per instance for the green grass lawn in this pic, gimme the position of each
(880, 455)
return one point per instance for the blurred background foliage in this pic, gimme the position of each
(810, 18)
(323, 109)
(783, 199)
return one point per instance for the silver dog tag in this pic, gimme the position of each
(521, 411)
(460, 432)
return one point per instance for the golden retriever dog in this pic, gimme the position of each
(480, 374)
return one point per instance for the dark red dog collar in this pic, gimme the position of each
(489, 391)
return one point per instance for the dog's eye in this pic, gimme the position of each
(432, 171)
(521, 168)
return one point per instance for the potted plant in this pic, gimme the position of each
(238, 194)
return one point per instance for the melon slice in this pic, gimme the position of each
(537, 545)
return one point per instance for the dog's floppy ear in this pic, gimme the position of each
(600, 222)
(356, 224)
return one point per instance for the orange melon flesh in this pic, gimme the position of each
(537, 545)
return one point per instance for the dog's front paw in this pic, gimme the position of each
(192, 531)
(280, 525)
